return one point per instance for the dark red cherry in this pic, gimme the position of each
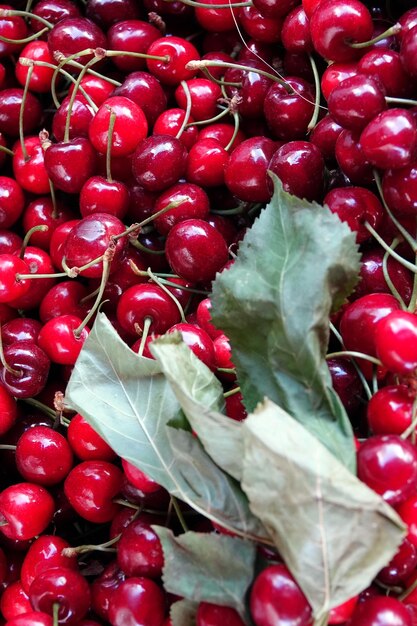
(9, 241)
(372, 278)
(356, 206)
(33, 618)
(387, 67)
(99, 195)
(86, 443)
(352, 160)
(408, 51)
(146, 300)
(45, 552)
(131, 35)
(300, 167)
(389, 141)
(10, 104)
(31, 366)
(346, 383)
(159, 161)
(53, 11)
(380, 611)
(13, 27)
(20, 329)
(356, 101)
(170, 121)
(139, 551)
(8, 411)
(198, 341)
(76, 34)
(27, 509)
(390, 410)
(43, 212)
(108, 12)
(137, 600)
(246, 170)
(396, 342)
(196, 251)
(276, 598)
(12, 201)
(64, 299)
(324, 135)
(334, 74)
(296, 32)
(215, 615)
(289, 113)
(401, 565)
(62, 586)
(400, 189)
(70, 163)
(192, 200)
(178, 52)
(264, 29)
(80, 118)
(147, 92)
(139, 479)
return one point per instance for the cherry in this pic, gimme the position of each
(139, 551)
(41, 77)
(192, 200)
(59, 340)
(8, 411)
(223, 133)
(352, 160)
(70, 163)
(131, 35)
(31, 367)
(334, 74)
(75, 34)
(147, 92)
(27, 510)
(103, 587)
(204, 319)
(63, 299)
(408, 51)
(130, 126)
(108, 12)
(288, 114)
(346, 383)
(43, 212)
(53, 11)
(10, 286)
(341, 614)
(86, 443)
(198, 341)
(43, 456)
(11, 101)
(45, 552)
(9, 242)
(388, 465)
(235, 409)
(216, 615)
(264, 29)
(20, 329)
(300, 167)
(216, 19)
(98, 88)
(146, 301)
(390, 410)
(12, 201)
(335, 24)
(139, 479)
(29, 166)
(178, 53)
(90, 488)
(14, 601)
(32, 618)
(401, 565)
(246, 170)
(275, 597)
(387, 67)
(39, 262)
(356, 101)
(296, 32)
(137, 600)
(196, 251)
(64, 587)
(206, 162)
(158, 162)
(12, 28)
(380, 611)
(170, 121)
(58, 241)
(399, 187)
(372, 279)
(90, 238)
(396, 342)
(80, 117)
(389, 141)
(204, 94)
(324, 135)
(356, 206)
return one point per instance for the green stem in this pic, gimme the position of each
(235, 131)
(212, 120)
(21, 113)
(104, 278)
(39, 405)
(112, 122)
(387, 277)
(7, 150)
(203, 5)
(40, 228)
(355, 365)
(168, 292)
(198, 65)
(393, 30)
(400, 259)
(185, 121)
(14, 13)
(145, 332)
(25, 40)
(355, 355)
(179, 514)
(231, 392)
(413, 300)
(316, 111)
(404, 232)
(401, 101)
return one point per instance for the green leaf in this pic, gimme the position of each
(208, 567)
(296, 263)
(333, 532)
(184, 613)
(200, 395)
(129, 402)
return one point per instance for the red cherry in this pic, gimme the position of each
(389, 141)
(64, 299)
(138, 601)
(31, 173)
(193, 203)
(27, 509)
(159, 161)
(206, 162)
(145, 300)
(86, 443)
(380, 610)
(246, 170)
(33, 618)
(356, 206)
(130, 126)
(390, 410)
(70, 163)
(131, 35)
(10, 286)
(13, 28)
(396, 342)
(14, 601)
(41, 77)
(216, 615)
(45, 552)
(139, 479)
(43, 456)
(198, 341)
(204, 95)
(178, 53)
(139, 551)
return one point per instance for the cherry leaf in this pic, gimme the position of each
(207, 567)
(296, 263)
(333, 532)
(183, 613)
(129, 402)
(200, 395)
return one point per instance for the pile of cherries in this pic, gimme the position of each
(135, 141)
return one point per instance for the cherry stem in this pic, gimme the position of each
(355, 355)
(107, 259)
(13, 372)
(4, 523)
(167, 291)
(139, 246)
(40, 228)
(198, 65)
(28, 5)
(14, 13)
(54, 213)
(39, 405)
(186, 119)
(168, 282)
(235, 131)
(411, 430)
(21, 113)
(411, 266)
(355, 365)
(231, 392)
(409, 590)
(55, 612)
(6, 446)
(25, 40)
(128, 504)
(67, 60)
(317, 106)
(112, 122)
(78, 65)
(393, 30)
(226, 370)
(212, 120)
(413, 300)
(101, 547)
(387, 277)
(138, 55)
(179, 514)
(402, 101)
(145, 332)
(7, 151)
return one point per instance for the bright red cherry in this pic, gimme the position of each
(139, 551)
(389, 141)
(12, 201)
(356, 206)
(396, 342)
(206, 163)
(43, 456)
(70, 163)
(86, 443)
(30, 172)
(59, 341)
(33, 618)
(139, 479)
(177, 52)
(334, 74)
(390, 410)
(356, 101)
(137, 600)
(27, 509)
(11, 101)
(380, 611)
(341, 614)
(170, 121)
(204, 95)
(288, 113)
(192, 200)
(198, 341)
(41, 77)
(64, 299)
(11, 286)
(146, 301)
(246, 170)
(75, 34)
(130, 126)
(13, 27)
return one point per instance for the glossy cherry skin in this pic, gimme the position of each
(139, 551)
(387, 67)
(45, 552)
(103, 588)
(170, 121)
(276, 598)
(389, 141)
(215, 19)
(372, 279)
(33, 366)
(13, 27)
(80, 118)
(139, 601)
(10, 104)
(396, 342)
(355, 206)
(86, 443)
(130, 126)
(223, 134)
(401, 565)
(8, 411)
(9, 241)
(41, 212)
(33, 618)
(334, 74)
(356, 101)
(39, 262)
(296, 32)
(133, 36)
(158, 162)
(99, 89)
(41, 77)
(146, 300)
(63, 299)
(204, 319)
(198, 341)
(31, 174)
(352, 160)
(28, 510)
(196, 251)
(12, 201)
(72, 35)
(90, 488)
(146, 91)
(380, 611)
(10, 286)
(390, 410)
(408, 51)
(246, 170)
(90, 238)
(178, 53)
(43, 456)
(58, 340)
(300, 167)
(399, 187)
(341, 614)
(334, 24)
(346, 383)
(65, 587)
(20, 329)
(108, 12)
(70, 163)
(139, 479)
(216, 615)
(324, 135)
(388, 465)
(358, 324)
(288, 114)
(204, 95)
(193, 203)
(14, 601)
(264, 29)
(206, 163)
